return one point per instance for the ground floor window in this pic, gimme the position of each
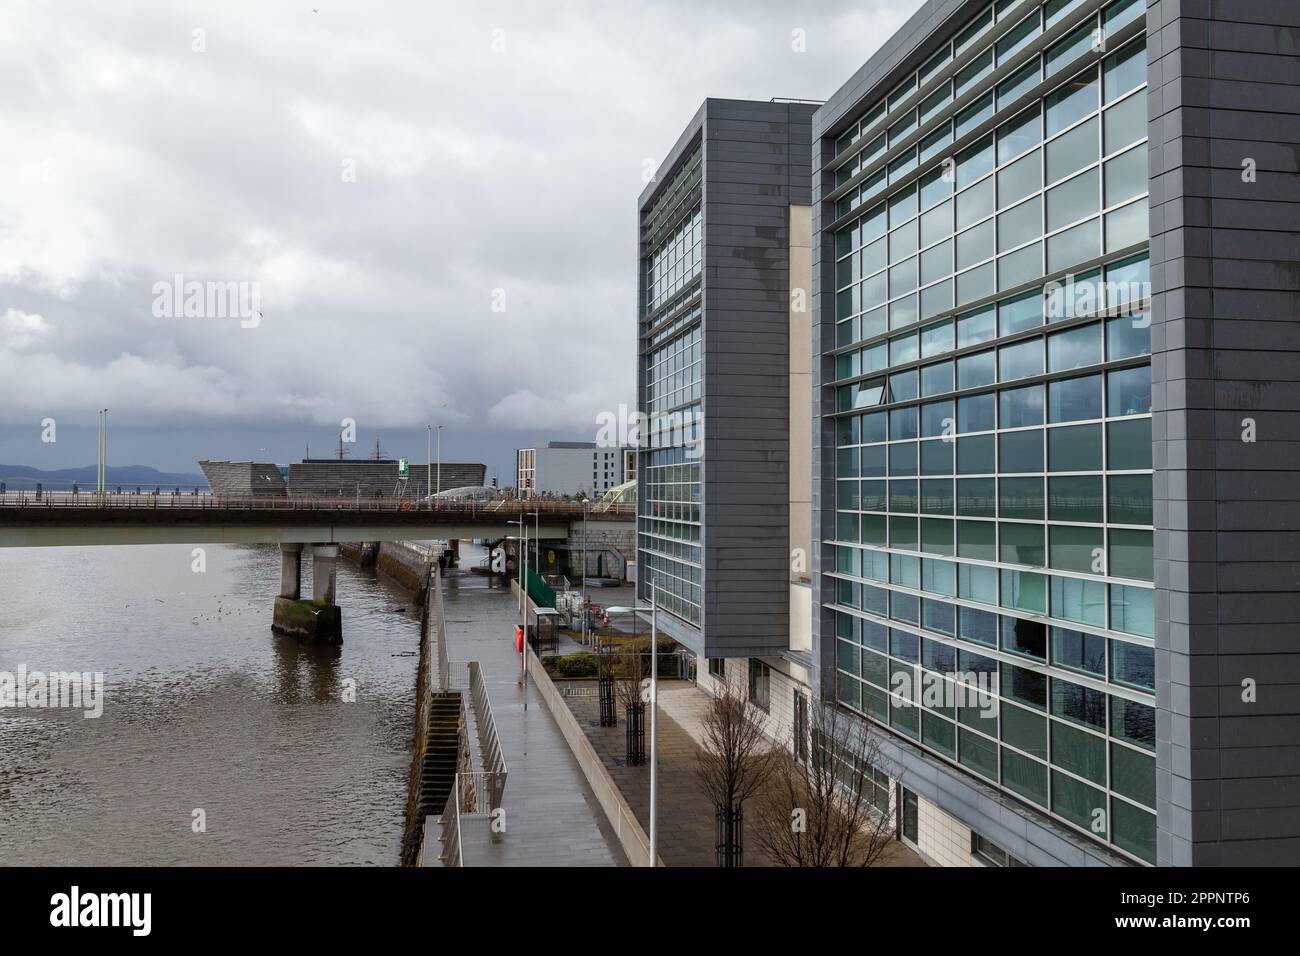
(909, 816)
(718, 667)
(800, 726)
(990, 852)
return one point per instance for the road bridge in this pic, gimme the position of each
(62, 521)
(293, 523)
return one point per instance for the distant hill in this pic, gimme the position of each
(23, 477)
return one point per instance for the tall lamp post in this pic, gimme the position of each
(428, 460)
(439, 491)
(102, 480)
(586, 510)
(654, 714)
(523, 603)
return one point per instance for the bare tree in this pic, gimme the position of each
(820, 812)
(631, 671)
(734, 763)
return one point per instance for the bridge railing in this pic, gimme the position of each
(15, 500)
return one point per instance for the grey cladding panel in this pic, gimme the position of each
(1225, 277)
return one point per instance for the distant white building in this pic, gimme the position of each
(573, 467)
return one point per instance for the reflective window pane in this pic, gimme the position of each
(1074, 399)
(1070, 103)
(1075, 448)
(1073, 151)
(1075, 348)
(1073, 200)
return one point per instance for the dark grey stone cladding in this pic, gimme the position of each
(1225, 269)
(756, 163)
(376, 479)
(244, 479)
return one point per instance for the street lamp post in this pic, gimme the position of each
(654, 726)
(586, 511)
(439, 460)
(523, 604)
(428, 460)
(102, 480)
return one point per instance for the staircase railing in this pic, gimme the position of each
(474, 795)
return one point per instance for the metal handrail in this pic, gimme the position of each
(473, 794)
(451, 854)
(494, 761)
(467, 676)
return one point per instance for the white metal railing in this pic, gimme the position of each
(467, 677)
(494, 761)
(473, 795)
(451, 854)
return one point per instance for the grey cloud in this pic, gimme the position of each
(475, 171)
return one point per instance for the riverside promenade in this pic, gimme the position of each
(552, 818)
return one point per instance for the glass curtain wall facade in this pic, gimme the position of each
(669, 469)
(992, 412)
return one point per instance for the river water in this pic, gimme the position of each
(205, 709)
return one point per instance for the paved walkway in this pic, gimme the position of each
(687, 705)
(686, 830)
(686, 825)
(552, 818)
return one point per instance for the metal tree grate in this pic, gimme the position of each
(635, 734)
(729, 846)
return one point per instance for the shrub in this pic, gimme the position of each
(574, 665)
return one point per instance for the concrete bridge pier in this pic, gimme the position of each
(319, 620)
(291, 571)
(324, 572)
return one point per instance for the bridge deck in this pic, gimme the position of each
(26, 521)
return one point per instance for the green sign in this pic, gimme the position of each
(403, 467)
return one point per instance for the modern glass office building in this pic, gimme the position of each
(999, 559)
(714, 240)
(669, 538)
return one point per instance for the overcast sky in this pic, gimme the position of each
(383, 174)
